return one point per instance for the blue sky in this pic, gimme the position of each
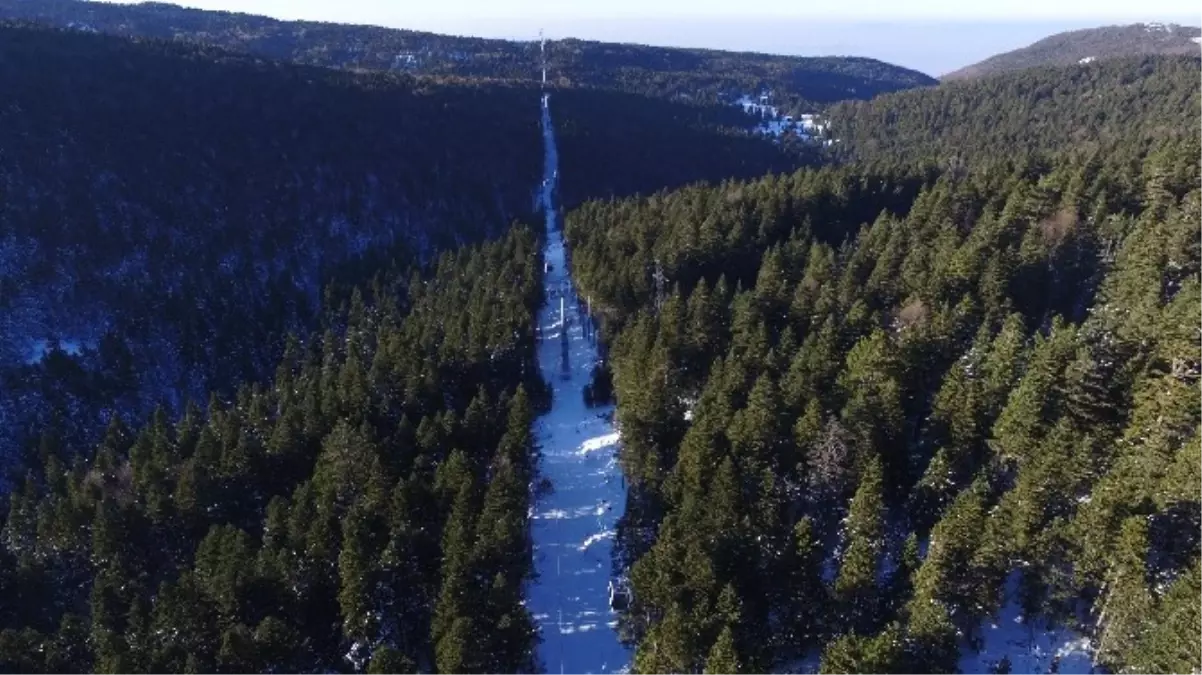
(934, 36)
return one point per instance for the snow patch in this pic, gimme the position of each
(807, 126)
(599, 443)
(1088, 59)
(1032, 647)
(594, 538)
(40, 349)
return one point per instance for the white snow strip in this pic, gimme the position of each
(599, 443)
(594, 538)
(569, 599)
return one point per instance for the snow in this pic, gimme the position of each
(573, 526)
(1031, 647)
(605, 442)
(806, 126)
(39, 349)
(1197, 40)
(1088, 59)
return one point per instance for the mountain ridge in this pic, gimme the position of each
(1086, 46)
(671, 72)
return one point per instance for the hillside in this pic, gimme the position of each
(365, 507)
(896, 422)
(685, 73)
(1087, 46)
(935, 409)
(1130, 101)
(196, 202)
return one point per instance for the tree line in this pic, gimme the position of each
(876, 402)
(695, 74)
(363, 511)
(1102, 106)
(170, 212)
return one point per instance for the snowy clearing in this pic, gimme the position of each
(1031, 647)
(574, 525)
(807, 127)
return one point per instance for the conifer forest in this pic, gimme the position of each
(325, 348)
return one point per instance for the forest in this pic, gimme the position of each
(886, 399)
(1088, 45)
(1104, 106)
(282, 417)
(175, 212)
(268, 375)
(197, 203)
(366, 509)
(694, 74)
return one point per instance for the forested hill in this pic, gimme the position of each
(1127, 102)
(658, 71)
(172, 211)
(876, 415)
(362, 511)
(258, 416)
(1089, 45)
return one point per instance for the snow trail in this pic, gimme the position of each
(574, 525)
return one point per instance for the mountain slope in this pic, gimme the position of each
(1130, 101)
(691, 73)
(1085, 46)
(879, 423)
(169, 212)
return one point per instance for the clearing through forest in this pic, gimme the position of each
(573, 525)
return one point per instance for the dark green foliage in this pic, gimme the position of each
(199, 547)
(1108, 106)
(224, 202)
(1000, 359)
(204, 200)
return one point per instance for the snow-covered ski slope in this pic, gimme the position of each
(573, 526)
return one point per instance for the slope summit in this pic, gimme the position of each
(1089, 45)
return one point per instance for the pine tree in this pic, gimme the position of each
(387, 660)
(1127, 604)
(723, 657)
(856, 587)
(873, 413)
(807, 597)
(459, 598)
(356, 578)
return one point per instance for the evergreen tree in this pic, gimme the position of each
(723, 657)
(856, 588)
